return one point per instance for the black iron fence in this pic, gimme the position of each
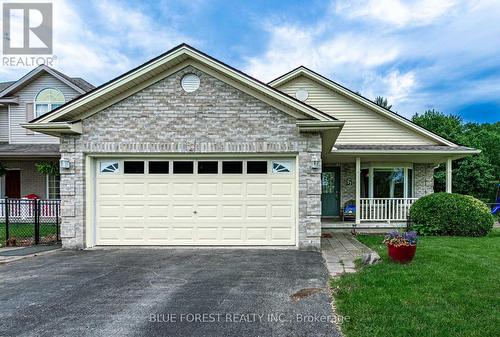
(24, 222)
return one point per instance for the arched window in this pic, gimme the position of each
(47, 100)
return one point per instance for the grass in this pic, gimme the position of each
(20, 230)
(452, 288)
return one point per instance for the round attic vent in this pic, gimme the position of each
(190, 82)
(302, 94)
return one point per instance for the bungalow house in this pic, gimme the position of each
(186, 150)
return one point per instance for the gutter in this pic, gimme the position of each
(472, 151)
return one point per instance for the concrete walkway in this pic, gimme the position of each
(340, 251)
(11, 254)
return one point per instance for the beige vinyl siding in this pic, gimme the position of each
(4, 124)
(27, 95)
(362, 125)
(29, 116)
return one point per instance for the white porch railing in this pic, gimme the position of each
(24, 209)
(385, 209)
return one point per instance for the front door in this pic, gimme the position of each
(13, 184)
(330, 192)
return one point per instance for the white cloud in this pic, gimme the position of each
(290, 46)
(397, 12)
(428, 54)
(395, 86)
(103, 39)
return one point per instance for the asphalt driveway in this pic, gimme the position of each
(165, 292)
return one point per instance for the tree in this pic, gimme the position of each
(477, 175)
(447, 126)
(381, 101)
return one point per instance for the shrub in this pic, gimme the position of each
(451, 214)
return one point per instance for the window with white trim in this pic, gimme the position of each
(386, 182)
(47, 100)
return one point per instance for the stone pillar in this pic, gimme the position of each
(310, 195)
(72, 195)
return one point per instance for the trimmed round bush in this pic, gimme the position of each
(451, 214)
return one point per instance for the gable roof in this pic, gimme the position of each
(77, 84)
(154, 70)
(4, 85)
(308, 73)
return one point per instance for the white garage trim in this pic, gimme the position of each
(264, 231)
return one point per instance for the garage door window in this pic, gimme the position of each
(256, 167)
(183, 167)
(133, 167)
(158, 167)
(208, 167)
(232, 167)
(283, 166)
(109, 167)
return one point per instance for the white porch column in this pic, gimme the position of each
(358, 190)
(448, 175)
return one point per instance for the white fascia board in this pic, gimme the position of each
(35, 72)
(386, 151)
(329, 130)
(55, 128)
(135, 75)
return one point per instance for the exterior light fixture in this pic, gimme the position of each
(64, 164)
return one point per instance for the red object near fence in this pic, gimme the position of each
(32, 196)
(401, 254)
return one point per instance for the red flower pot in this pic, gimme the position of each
(401, 254)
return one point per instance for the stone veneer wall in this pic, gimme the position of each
(423, 180)
(217, 118)
(347, 183)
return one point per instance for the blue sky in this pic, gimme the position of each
(441, 54)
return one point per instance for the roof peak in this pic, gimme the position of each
(78, 84)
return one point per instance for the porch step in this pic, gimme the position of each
(363, 228)
(378, 230)
(328, 224)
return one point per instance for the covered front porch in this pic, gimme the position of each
(21, 176)
(373, 187)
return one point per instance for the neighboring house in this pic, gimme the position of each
(39, 91)
(186, 150)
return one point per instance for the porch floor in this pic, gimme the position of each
(340, 251)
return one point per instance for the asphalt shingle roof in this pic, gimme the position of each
(4, 85)
(38, 150)
(403, 148)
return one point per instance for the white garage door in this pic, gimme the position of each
(196, 202)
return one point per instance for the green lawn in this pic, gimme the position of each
(25, 230)
(452, 288)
